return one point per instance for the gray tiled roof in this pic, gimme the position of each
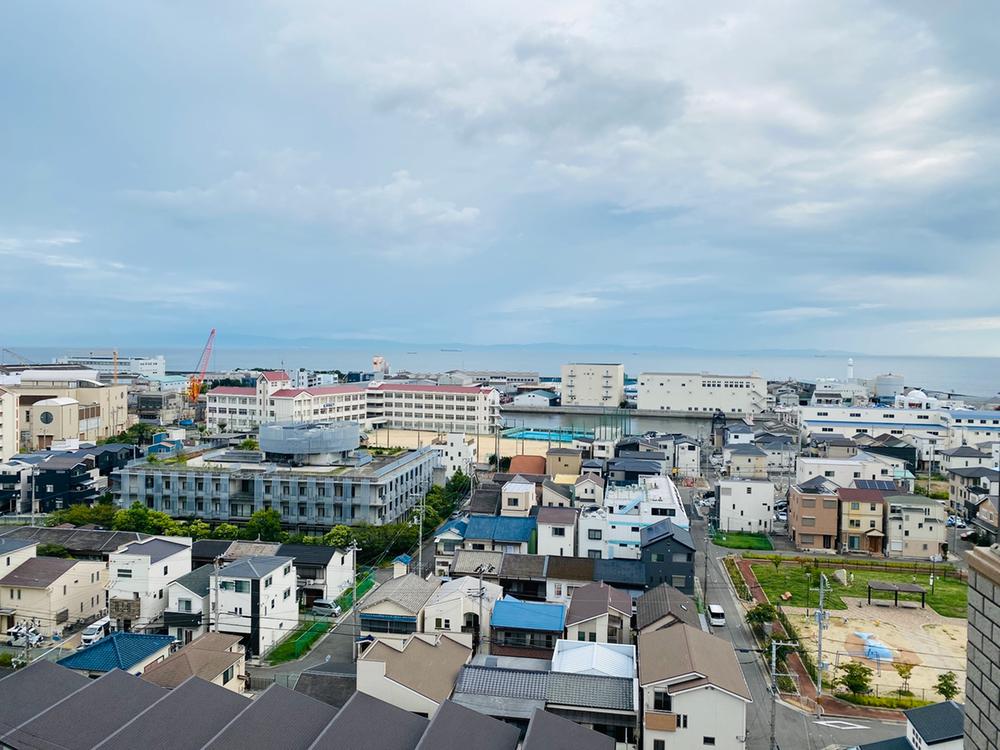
(80, 542)
(410, 592)
(523, 566)
(365, 723)
(37, 687)
(198, 581)
(253, 567)
(505, 683)
(155, 549)
(455, 727)
(279, 717)
(662, 601)
(546, 731)
(559, 688)
(38, 572)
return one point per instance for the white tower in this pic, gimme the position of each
(850, 369)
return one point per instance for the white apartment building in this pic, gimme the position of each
(593, 384)
(188, 612)
(138, 575)
(106, 364)
(243, 408)
(915, 526)
(614, 530)
(340, 403)
(488, 377)
(256, 601)
(845, 471)
(8, 425)
(688, 391)
(746, 505)
(436, 408)
(456, 452)
(303, 378)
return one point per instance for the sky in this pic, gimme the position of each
(723, 175)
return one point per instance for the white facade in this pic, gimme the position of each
(8, 425)
(140, 573)
(182, 599)
(557, 532)
(456, 452)
(339, 403)
(745, 505)
(242, 409)
(271, 580)
(534, 398)
(517, 497)
(593, 384)
(105, 364)
(614, 530)
(687, 458)
(454, 608)
(844, 471)
(702, 712)
(53, 604)
(436, 408)
(915, 527)
(684, 391)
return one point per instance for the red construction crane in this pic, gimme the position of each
(198, 379)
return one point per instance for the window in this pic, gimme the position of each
(124, 572)
(511, 502)
(594, 554)
(594, 534)
(708, 740)
(658, 557)
(659, 745)
(228, 674)
(184, 605)
(661, 700)
(678, 582)
(287, 569)
(558, 531)
(855, 506)
(267, 582)
(286, 594)
(558, 589)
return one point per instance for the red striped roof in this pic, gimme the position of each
(232, 390)
(275, 375)
(430, 388)
(321, 390)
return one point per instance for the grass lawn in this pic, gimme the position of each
(948, 600)
(298, 642)
(741, 540)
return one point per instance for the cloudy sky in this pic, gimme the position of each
(797, 175)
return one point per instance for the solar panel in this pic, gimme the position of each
(874, 484)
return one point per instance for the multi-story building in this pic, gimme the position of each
(861, 466)
(862, 520)
(702, 392)
(743, 460)
(160, 407)
(9, 442)
(970, 485)
(982, 685)
(488, 377)
(340, 403)
(51, 594)
(593, 384)
(614, 530)
(254, 598)
(668, 553)
(557, 531)
(914, 527)
(455, 606)
(242, 408)
(111, 364)
(965, 457)
(138, 575)
(813, 515)
(517, 497)
(188, 612)
(312, 473)
(745, 505)
(437, 408)
(456, 452)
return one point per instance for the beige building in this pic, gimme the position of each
(599, 613)
(813, 512)
(218, 658)
(915, 526)
(52, 593)
(862, 520)
(8, 425)
(563, 461)
(517, 497)
(593, 384)
(687, 391)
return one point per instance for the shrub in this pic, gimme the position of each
(742, 590)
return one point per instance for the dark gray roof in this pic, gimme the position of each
(38, 572)
(310, 554)
(965, 451)
(410, 592)
(29, 691)
(198, 581)
(938, 722)
(80, 542)
(576, 452)
(365, 723)
(454, 726)
(896, 743)
(643, 455)
(620, 572)
(331, 683)
(87, 716)
(556, 688)
(502, 683)
(8, 545)
(253, 567)
(818, 486)
(550, 732)
(210, 548)
(559, 489)
(745, 449)
(485, 500)
(662, 601)
(634, 464)
(155, 549)
(279, 717)
(523, 566)
(188, 717)
(663, 529)
(976, 472)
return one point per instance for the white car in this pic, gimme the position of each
(781, 516)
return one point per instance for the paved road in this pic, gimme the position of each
(794, 729)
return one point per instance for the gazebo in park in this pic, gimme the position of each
(895, 589)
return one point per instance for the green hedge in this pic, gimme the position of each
(742, 590)
(878, 701)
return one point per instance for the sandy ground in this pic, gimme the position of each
(917, 636)
(487, 443)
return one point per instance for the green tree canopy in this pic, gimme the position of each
(140, 518)
(264, 524)
(339, 536)
(226, 531)
(947, 685)
(856, 677)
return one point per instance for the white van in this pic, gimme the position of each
(95, 631)
(716, 616)
(325, 608)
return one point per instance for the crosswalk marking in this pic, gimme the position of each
(839, 724)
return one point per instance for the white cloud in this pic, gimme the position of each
(952, 325)
(794, 314)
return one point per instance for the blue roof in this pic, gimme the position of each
(458, 526)
(500, 528)
(116, 651)
(513, 613)
(404, 559)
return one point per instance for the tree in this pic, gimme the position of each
(857, 677)
(762, 614)
(339, 536)
(947, 685)
(196, 529)
(52, 550)
(248, 445)
(6, 659)
(140, 518)
(904, 671)
(101, 514)
(226, 531)
(264, 524)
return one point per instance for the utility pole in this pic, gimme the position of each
(215, 586)
(704, 584)
(34, 483)
(774, 686)
(820, 624)
(482, 595)
(354, 549)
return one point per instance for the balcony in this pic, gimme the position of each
(660, 721)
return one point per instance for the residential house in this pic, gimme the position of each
(986, 521)
(829, 445)
(687, 457)
(517, 497)
(965, 457)
(13, 552)
(557, 494)
(485, 500)
(528, 629)
(564, 575)
(453, 725)
(525, 576)
(455, 606)
(664, 606)
(599, 613)
(138, 575)
(188, 613)
(745, 460)
(447, 539)
(547, 731)
(629, 471)
(862, 520)
(321, 572)
(590, 658)
(254, 598)
(814, 515)
(277, 717)
(915, 526)
(940, 726)
(738, 433)
(693, 691)
(745, 505)
(456, 453)
(563, 461)
(130, 652)
(781, 450)
(81, 543)
(556, 531)
(366, 722)
(395, 609)
(500, 533)
(863, 465)
(218, 658)
(588, 490)
(668, 553)
(416, 674)
(52, 593)
(469, 562)
(966, 485)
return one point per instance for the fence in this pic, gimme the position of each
(942, 570)
(315, 630)
(257, 682)
(365, 582)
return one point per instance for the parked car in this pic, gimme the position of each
(781, 516)
(325, 608)
(708, 494)
(960, 523)
(968, 535)
(951, 521)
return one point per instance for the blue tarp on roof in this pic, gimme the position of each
(404, 559)
(116, 651)
(500, 528)
(458, 526)
(513, 613)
